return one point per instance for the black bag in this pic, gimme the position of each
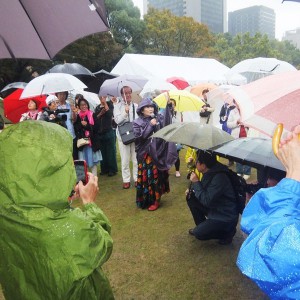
(239, 185)
(126, 130)
(126, 133)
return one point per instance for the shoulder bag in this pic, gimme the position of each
(126, 130)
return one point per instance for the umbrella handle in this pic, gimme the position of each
(276, 138)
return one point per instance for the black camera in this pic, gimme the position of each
(60, 117)
(191, 168)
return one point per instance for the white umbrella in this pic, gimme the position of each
(156, 84)
(92, 98)
(259, 67)
(52, 83)
(112, 87)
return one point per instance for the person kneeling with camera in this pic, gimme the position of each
(212, 201)
(52, 114)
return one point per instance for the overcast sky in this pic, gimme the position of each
(287, 13)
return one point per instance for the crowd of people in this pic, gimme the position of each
(145, 164)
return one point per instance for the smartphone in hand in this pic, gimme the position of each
(81, 171)
(81, 174)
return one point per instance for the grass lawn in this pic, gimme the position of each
(154, 257)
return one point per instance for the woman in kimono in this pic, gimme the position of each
(154, 156)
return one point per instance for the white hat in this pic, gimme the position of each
(50, 99)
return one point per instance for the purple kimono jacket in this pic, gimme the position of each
(164, 154)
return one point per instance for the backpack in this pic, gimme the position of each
(239, 185)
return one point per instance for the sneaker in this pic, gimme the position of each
(246, 177)
(177, 174)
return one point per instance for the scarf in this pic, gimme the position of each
(33, 114)
(89, 115)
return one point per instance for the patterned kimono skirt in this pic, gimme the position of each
(151, 182)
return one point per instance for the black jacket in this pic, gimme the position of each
(80, 132)
(216, 194)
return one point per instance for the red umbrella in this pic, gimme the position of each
(14, 107)
(179, 82)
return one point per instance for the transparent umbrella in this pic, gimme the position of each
(193, 134)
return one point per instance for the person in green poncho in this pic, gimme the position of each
(48, 250)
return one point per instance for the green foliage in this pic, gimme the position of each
(125, 23)
(231, 50)
(167, 34)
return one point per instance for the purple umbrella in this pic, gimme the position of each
(40, 29)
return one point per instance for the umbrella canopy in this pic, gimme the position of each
(14, 107)
(71, 68)
(193, 134)
(262, 106)
(185, 101)
(199, 88)
(259, 67)
(179, 82)
(255, 152)
(92, 98)
(112, 87)
(8, 89)
(52, 83)
(156, 84)
(40, 31)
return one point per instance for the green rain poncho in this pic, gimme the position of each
(47, 249)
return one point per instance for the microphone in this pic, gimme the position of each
(153, 116)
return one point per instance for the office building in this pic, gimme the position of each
(252, 19)
(293, 36)
(212, 13)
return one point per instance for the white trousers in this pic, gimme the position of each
(127, 153)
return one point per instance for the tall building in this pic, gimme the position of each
(212, 13)
(252, 19)
(293, 36)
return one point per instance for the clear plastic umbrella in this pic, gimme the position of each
(52, 83)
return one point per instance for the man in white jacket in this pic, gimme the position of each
(125, 111)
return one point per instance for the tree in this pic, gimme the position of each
(125, 24)
(167, 34)
(231, 50)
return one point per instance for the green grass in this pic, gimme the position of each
(154, 257)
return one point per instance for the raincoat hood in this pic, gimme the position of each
(36, 156)
(146, 102)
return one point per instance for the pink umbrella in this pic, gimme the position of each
(268, 101)
(179, 82)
